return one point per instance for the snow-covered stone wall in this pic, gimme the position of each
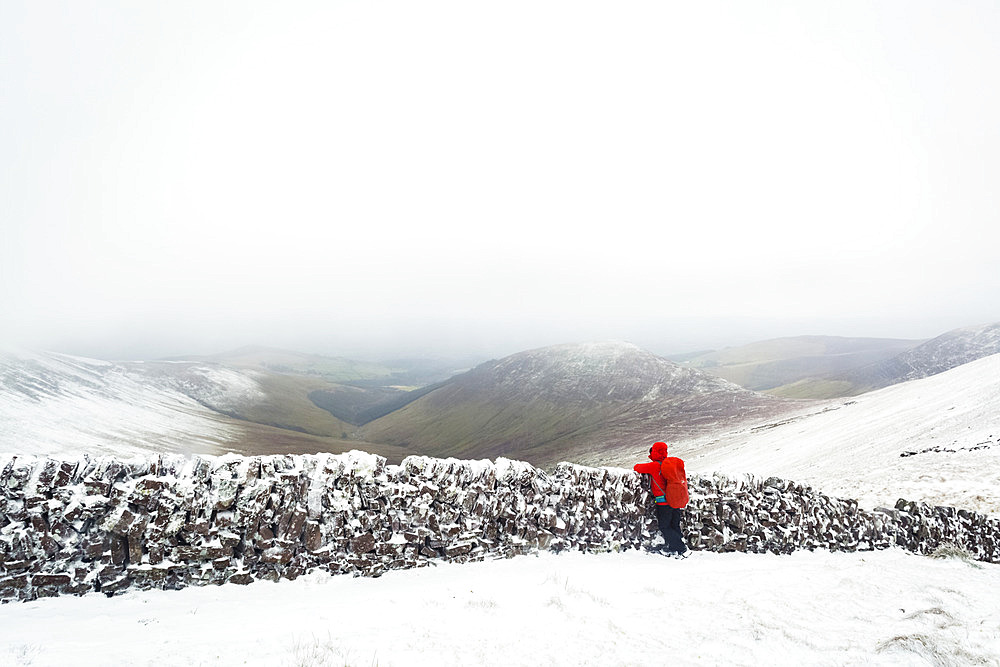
(107, 525)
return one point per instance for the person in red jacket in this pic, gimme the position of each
(670, 493)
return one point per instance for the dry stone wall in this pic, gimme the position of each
(107, 525)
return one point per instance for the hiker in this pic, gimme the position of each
(670, 492)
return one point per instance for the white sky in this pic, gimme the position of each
(377, 175)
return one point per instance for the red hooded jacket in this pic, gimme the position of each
(670, 485)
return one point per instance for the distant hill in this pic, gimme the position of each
(332, 369)
(949, 350)
(799, 367)
(566, 402)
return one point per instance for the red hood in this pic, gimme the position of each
(659, 451)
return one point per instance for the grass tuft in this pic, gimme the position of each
(24, 654)
(950, 550)
(323, 653)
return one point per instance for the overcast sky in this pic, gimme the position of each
(371, 177)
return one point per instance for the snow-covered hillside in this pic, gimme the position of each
(935, 439)
(632, 608)
(952, 349)
(58, 404)
(949, 350)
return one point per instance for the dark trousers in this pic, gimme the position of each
(669, 520)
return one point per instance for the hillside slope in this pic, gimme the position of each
(935, 439)
(58, 404)
(567, 402)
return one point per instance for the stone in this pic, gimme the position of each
(388, 549)
(199, 526)
(156, 554)
(119, 550)
(64, 473)
(229, 539)
(134, 549)
(153, 575)
(94, 546)
(544, 539)
(277, 555)
(313, 536)
(363, 544)
(12, 585)
(294, 526)
(149, 485)
(225, 493)
(116, 585)
(119, 521)
(241, 578)
(15, 565)
(458, 549)
(51, 580)
(97, 487)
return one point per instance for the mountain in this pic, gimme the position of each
(567, 402)
(797, 367)
(935, 439)
(52, 403)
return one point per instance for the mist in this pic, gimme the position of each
(388, 179)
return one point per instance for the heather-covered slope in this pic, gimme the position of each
(567, 402)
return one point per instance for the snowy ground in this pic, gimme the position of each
(882, 608)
